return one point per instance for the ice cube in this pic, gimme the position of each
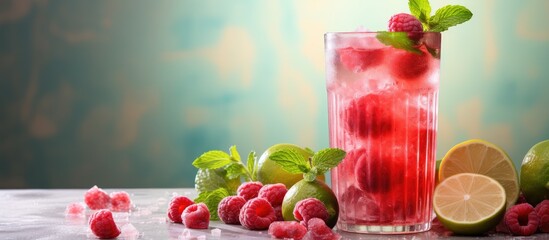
(216, 232)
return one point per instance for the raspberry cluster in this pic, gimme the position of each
(96, 198)
(524, 220)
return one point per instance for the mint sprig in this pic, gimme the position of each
(444, 18)
(322, 161)
(232, 163)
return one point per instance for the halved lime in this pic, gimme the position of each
(469, 203)
(482, 157)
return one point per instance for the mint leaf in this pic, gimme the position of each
(251, 165)
(212, 199)
(234, 154)
(449, 16)
(311, 175)
(310, 151)
(291, 161)
(212, 160)
(421, 9)
(398, 40)
(328, 158)
(235, 170)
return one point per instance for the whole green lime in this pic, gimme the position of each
(315, 189)
(534, 173)
(269, 172)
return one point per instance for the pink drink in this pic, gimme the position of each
(382, 105)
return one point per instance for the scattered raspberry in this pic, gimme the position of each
(75, 209)
(229, 209)
(522, 219)
(358, 60)
(287, 229)
(196, 216)
(542, 210)
(310, 208)
(257, 214)
(375, 172)
(319, 231)
(120, 201)
(96, 198)
(369, 116)
(249, 190)
(274, 193)
(177, 206)
(404, 22)
(102, 224)
(410, 66)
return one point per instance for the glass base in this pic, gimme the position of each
(384, 229)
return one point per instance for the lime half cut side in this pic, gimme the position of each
(482, 157)
(469, 203)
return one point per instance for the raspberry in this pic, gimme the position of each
(196, 216)
(274, 193)
(120, 201)
(542, 210)
(177, 206)
(410, 66)
(372, 171)
(404, 22)
(257, 214)
(96, 198)
(249, 190)
(358, 60)
(287, 230)
(319, 231)
(75, 209)
(102, 224)
(309, 208)
(369, 116)
(229, 209)
(522, 219)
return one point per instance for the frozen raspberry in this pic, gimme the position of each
(375, 172)
(75, 209)
(229, 209)
(177, 206)
(274, 193)
(278, 213)
(287, 230)
(120, 201)
(309, 208)
(522, 219)
(249, 190)
(96, 198)
(358, 60)
(102, 224)
(404, 22)
(319, 231)
(409, 66)
(369, 116)
(542, 210)
(196, 216)
(257, 214)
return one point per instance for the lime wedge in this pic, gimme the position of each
(469, 203)
(482, 157)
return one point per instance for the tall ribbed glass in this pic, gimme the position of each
(382, 104)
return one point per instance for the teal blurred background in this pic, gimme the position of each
(128, 93)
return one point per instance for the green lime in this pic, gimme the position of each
(469, 203)
(534, 173)
(269, 172)
(482, 157)
(211, 179)
(315, 189)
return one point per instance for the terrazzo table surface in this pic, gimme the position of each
(39, 214)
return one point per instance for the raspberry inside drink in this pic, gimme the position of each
(382, 104)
